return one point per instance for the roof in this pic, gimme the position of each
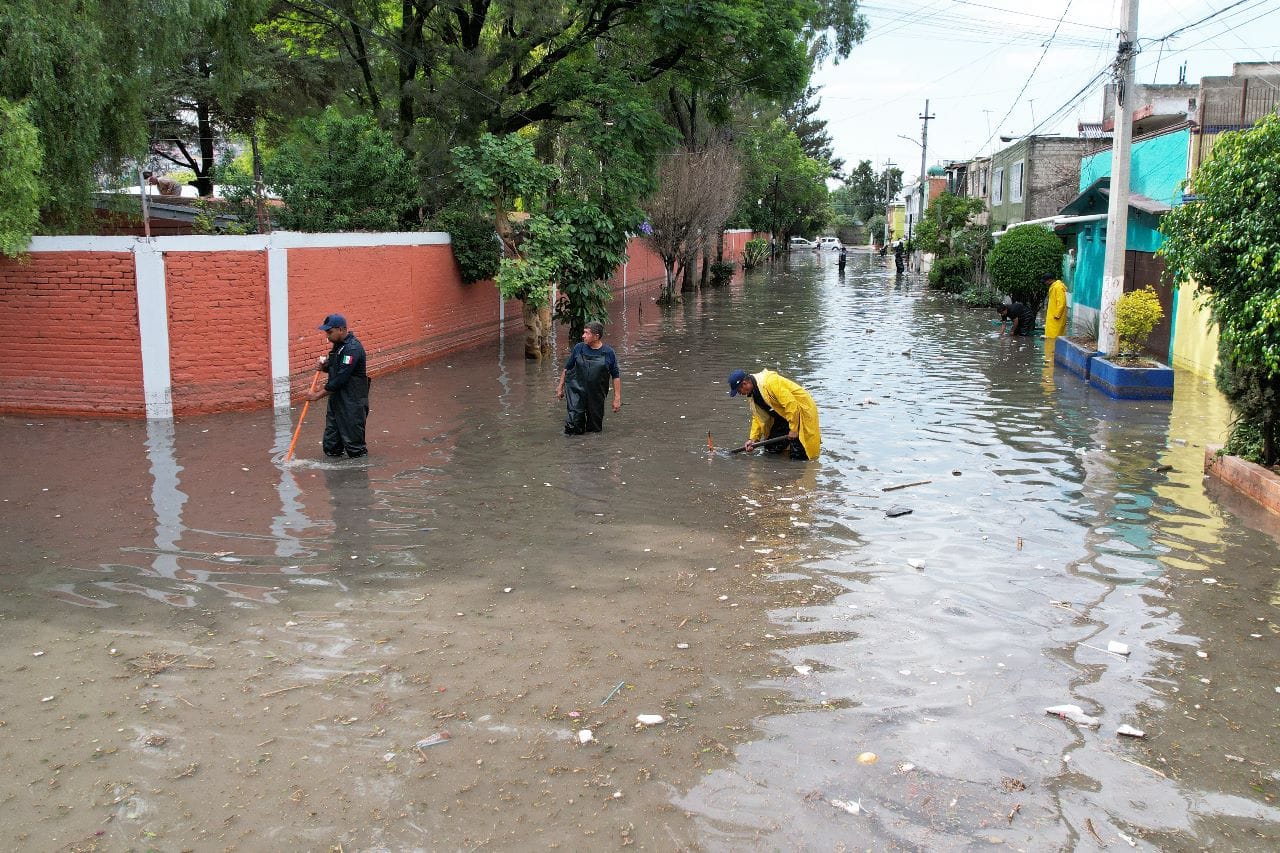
(1097, 196)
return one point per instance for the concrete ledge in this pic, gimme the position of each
(1253, 481)
(1075, 358)
(1131, 383)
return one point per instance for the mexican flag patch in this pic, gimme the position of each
(346, 359)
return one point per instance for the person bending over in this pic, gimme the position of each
(779, 407)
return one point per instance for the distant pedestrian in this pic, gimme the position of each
(584, 382)
(899, 256)
(843, 253)
(347, 389)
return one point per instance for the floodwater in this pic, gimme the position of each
(205, 648)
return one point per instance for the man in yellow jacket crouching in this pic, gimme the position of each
(779, 407)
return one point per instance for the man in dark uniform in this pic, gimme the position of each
(347, 390)
(1024, 319)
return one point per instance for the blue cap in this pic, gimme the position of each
(734, 379)
(333, 321)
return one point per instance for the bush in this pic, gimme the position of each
(754, 253)
(1020, 258)
(951, 275)
(1254, 395)
(722, 273)
(1137, 313)
(342, 174)
(981, 296)
(21, 192)
(475, 243)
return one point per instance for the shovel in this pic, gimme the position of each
(769, 442)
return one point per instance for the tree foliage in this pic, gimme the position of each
(1226, 244)
(1020, 258)
(944, 220)
(784, 191)
(866, 193)
(476, 246)
(342, 174)
(20, 188)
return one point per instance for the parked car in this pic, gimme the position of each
(802, 243)
(832, 243)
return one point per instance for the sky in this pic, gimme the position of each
(992, 67)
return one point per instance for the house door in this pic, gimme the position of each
(1140, 270)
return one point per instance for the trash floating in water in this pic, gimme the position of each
(433, 740)
(802, 669)
(1075, 714)
(507, 588)
(613, 692)
(585, 736)
(915, 564)
(682, 645)
(1129, 731)
(905, 485)
(896, 511)
(47, 699)
(850, 806)
(1117, 648)
(37, 654)
(868, 758)
(1208, 580)
(906, 768)
(649, 719)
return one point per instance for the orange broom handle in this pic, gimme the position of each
(298, 429)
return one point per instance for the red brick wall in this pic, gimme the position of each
(219, 333)
(405, 303)
(75, 314)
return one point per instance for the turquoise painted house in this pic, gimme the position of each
(1159, 168)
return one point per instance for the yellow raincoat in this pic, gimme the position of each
(1055, 315)
(791, 402)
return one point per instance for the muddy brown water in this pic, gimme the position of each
(206, 649)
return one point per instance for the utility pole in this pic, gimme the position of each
(888, 202)
(1118, 201)
(924, 151)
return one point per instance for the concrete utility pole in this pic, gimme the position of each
(888, 202)
(1118, 201)
(924, 151)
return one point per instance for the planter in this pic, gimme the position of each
(1074, 357)
(1131, 383)
(1254, 481)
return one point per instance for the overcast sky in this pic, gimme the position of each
(972, 61)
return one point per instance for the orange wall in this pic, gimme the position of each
(218, 330)
(75, 317)
(77, 312)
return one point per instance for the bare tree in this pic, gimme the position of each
(697, 192)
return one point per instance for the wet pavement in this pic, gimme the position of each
(206, 648)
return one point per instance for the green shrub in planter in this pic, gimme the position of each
(951, 275)
(1137, 313)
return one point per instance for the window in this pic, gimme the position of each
(982, 182)
(1015, 182)
(997, 186)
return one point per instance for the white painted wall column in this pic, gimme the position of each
(278, 317)
(153, 330)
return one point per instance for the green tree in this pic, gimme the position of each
(1226, 245)
(82, 70)
(342, 174)
(1020, 258)
(945, 218)
(21, 190)
(783, 191)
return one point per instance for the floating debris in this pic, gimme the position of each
(1117, 648)
(850, 806)
(915, 564)
(1129, 731)
(896, 511)
(432, 740)
(1075, 714)
(585, 736)
(803, 670)
(868, 758)
(649, 719)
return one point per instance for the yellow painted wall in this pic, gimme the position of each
(1195, 341)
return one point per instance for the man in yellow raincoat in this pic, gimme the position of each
(1055, 314)
(779, 407)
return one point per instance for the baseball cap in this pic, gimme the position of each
(734, 378)
(333, 321)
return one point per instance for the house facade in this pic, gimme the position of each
(1033, 178)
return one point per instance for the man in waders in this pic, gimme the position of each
(347, 389)
(779, 407)
(584, 382)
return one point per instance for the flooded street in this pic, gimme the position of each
(208, 649)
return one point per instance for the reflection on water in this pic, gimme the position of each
(1045, 521)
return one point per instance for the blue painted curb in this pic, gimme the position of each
(1073, 357)
(1131, 383)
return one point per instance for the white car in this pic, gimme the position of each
(802, 243)
(832, 243)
